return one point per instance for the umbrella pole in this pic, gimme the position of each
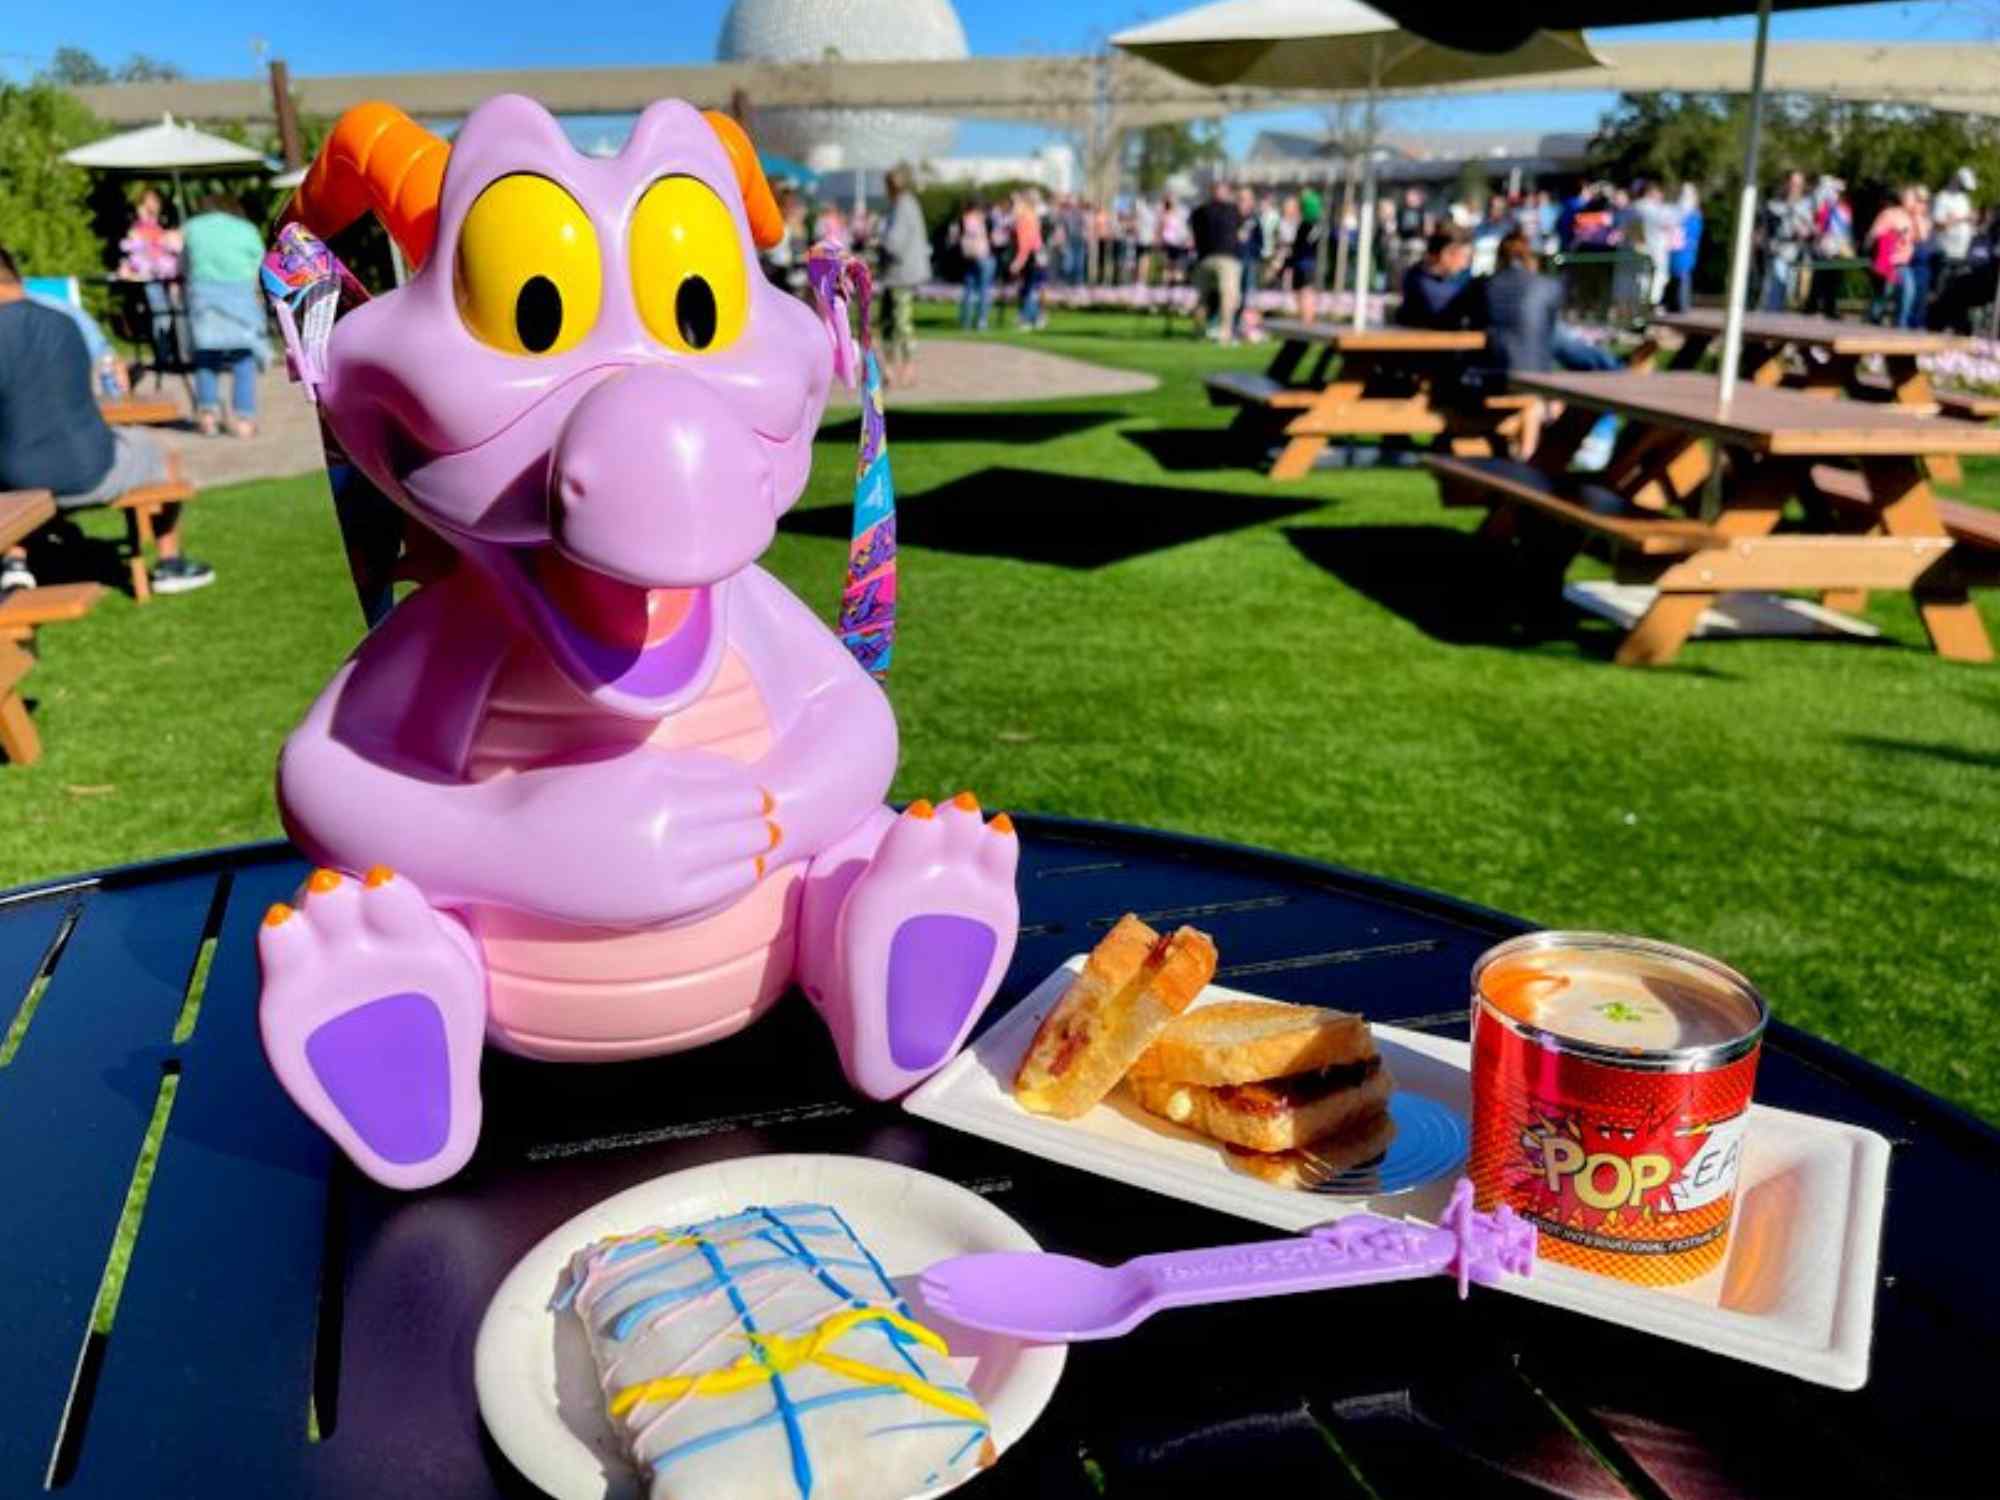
(1746, 210)
(1365, 220)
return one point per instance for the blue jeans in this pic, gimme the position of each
(978, 293)
(242, 367)
(1572, 353)
(1031, 293)
(1913, 292)
(1778, 276)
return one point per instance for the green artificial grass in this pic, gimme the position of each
(1102, 617)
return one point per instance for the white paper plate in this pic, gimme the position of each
(538, 1391)
(1795, 1293)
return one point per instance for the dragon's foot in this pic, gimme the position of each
(922, 941)
(373, 1013)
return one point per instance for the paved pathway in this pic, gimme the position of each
(948, 371)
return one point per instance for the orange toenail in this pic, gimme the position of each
(776, 833)
(920, 809)
(965, 802)
(1001, 823)
(323, 881)
(276, 914)
(759, 863)
(770, 802)
(379, 875)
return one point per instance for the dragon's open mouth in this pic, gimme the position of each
(648, 644)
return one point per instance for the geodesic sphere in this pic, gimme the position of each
(866, 31)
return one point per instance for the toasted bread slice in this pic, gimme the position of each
(1131, 986)
(1242, 1041)
(1278, 1115)
(1306, 1168)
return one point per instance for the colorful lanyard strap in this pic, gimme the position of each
(868, 602)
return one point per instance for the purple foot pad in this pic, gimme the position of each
(386, 1069)
(936, 966)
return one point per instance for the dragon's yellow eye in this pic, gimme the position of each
(688, 274)
(528, 275)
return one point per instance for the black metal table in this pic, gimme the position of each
(272, 1287)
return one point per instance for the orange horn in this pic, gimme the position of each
(767, 225)
(379, 159)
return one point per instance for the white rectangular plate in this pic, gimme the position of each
(1796, 1292)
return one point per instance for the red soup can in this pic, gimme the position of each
(1611, 1083)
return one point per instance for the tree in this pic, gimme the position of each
(1163, 151)
(140, 68)
(72, 67)
(75, 68)
(45, 217)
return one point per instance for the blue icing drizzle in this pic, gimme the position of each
(781, 1230)
(801, 1460)
(950, 1462)
(741, 1429)
(898, 1340)
(621, 1326)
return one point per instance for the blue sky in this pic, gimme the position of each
(369, 36)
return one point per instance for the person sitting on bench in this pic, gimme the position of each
(52, 437)
(1434, 289)
(1520, 309)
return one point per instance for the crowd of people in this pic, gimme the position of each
(1929, 255)
(1232, 243)
(1226, 245)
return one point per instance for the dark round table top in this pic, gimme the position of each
(286, 1328)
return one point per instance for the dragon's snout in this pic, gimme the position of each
(656, 479)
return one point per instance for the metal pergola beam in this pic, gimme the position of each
(1062, 90)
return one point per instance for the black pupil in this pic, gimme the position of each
(694, 312)
(538, 314)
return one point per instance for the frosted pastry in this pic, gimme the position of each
(766, 1356)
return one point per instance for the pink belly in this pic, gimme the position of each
(571, 993)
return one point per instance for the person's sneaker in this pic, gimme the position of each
(181, 575)
(14, 574)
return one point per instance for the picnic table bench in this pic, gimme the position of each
(22, 612)
(1384, 387)
(1773, 443)
(287, 1328)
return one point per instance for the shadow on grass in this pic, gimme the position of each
(1951, 755)
(981, 425)
(1064, 520)
(1459, 590)
(1448, 584)
(1181, 450)
(61, 552)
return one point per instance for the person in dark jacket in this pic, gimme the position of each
(1519, 308)
(52, 436)
(1434, 289)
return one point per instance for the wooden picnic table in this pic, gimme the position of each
(1329, 380)
(1831, 353)
(138, 411)
(22, 514)
(266, 1276)
(1648, 504)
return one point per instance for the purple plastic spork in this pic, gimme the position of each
(1053, 1299)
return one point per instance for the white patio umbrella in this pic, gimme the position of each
(1336, 44)
(170, 147)
(1497, 28)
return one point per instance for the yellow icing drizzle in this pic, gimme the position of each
(777, 1353)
